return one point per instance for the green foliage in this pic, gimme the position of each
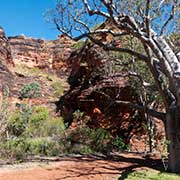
(57, 88)
(34, 122)
(89, 140)
(19, 147)
(31, 131)
(78, 45)
(78, 114)
(15, 148)
(31, 90)
(39, 114)
(17, 124)
(19, 119)
(53, 126)
(100, 138)
(43, 146)
(152, 175)
(119, 144)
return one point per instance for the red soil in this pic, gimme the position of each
(82, 168)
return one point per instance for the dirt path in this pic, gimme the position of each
(81, 168)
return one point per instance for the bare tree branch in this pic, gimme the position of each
(152, 112)
(147, 19)
(94, 12)
(169, 19)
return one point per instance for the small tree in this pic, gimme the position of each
(147, 21)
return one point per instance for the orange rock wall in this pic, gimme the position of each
(5, 50)
(41, 53)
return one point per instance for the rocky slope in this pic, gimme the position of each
(24, 60)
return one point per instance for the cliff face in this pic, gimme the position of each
(5, 50)
(5, 60)
(41, 53)
(94, 91)
(20, 54)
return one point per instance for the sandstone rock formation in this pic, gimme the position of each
(5, 50)
(41, 53)
(93, 92)
(5, 60)
(19, 54)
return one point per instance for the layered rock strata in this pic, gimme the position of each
(41, 53)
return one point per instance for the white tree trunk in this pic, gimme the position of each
(173, 137)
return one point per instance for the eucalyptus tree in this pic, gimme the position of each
(149, 22)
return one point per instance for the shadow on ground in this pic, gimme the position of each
(90, 166)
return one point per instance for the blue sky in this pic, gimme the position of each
(26, 17)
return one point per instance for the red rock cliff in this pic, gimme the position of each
(5, 50)
(5, 60)
(41, 53)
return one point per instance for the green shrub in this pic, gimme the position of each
(57, 88)
(78, 115)
(43, 146)
(89, 140)
(32, 131)
(19, 148)
(31, 90)
(16, 125)
(53, 126)
(41, 124)
(34, 122)
(15, 148)
(39, 114)
(119, 144)
(19, 120)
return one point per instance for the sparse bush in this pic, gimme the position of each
(57, 88)
(31, 90)
(15, 148)
(89, 140)
(18, 148)
(39, 114)
(18, 121)
(34, 122)
(32, 131)
(43, 146)
(16, 124)
(53, 126)
(119, 144)
(42, 125)
(77, 115)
